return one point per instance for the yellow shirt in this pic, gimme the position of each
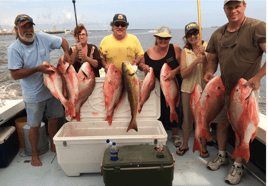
(189, 83)
(115, 51)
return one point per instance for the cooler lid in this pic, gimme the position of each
(138, 156)
(94, 109)
(5, 133)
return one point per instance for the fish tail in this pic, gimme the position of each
(206, 134)
(242, 150)
(197, 145)
(109, 119)
(132, 125)
(174, 116)
(77, 116)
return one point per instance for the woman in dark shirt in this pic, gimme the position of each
(155, 57)
(84, 52)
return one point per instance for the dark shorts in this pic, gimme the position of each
(165, 114)
(35, 111)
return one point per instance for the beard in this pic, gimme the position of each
(26, 39)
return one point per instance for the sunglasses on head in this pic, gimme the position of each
(24, 18)
(118, 24)
(193, 33)
(165, 38)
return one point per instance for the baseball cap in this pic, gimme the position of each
(23, 18)
(191, 26)
(226, 1)
(120, 17)
(163, 31)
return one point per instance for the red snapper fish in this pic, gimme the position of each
(56, 85)
(112, 91)
(131, 84)
(205, 106)
(243, 114)
(171, 91)
(70, 76)
(147, 86)
(86, 79)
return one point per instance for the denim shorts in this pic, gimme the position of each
(35, 111)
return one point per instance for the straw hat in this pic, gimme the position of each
(163, 31)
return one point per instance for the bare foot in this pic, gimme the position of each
(36, 161)
(53, 148)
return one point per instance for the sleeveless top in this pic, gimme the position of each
(96, 55)
(170, 59)
(194, 78)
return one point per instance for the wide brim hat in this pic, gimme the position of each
(163, 31)
(191, 26)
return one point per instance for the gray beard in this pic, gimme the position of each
(24, 38)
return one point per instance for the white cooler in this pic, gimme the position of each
(80, 145)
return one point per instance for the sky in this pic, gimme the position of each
(141, 14)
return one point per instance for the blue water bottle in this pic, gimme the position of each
(114, 152)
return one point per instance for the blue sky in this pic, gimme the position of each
(141, 14)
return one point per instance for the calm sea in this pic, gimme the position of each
(11, 89)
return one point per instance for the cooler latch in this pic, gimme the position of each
(161, 168)
(116, 168)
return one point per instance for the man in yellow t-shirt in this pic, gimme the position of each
(120, 46)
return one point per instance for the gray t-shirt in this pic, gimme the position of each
(22, 56)
(242, 60)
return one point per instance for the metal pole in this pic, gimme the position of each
(76, 20)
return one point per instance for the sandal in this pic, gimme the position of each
(204, 154)
(182, 150)
(176, 143)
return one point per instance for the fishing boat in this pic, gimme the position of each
(189, 169)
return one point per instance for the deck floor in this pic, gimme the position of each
(190, 169)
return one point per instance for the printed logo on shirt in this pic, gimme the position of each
(42, 50)
(169, 59)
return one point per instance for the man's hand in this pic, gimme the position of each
(67, 58)
(208, 76)
(45, 69)
(254, 83)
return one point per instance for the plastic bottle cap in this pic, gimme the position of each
(107, 141)
(114, 143)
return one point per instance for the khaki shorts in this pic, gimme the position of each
(222, 116)
(188, 119)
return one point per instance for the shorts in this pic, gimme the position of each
(188, 120)
(35, 111)
(222, 116)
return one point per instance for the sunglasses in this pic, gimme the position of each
(165, 38)
(193, 33)
(118, 24)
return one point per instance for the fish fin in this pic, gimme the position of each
(242, 150)
(132, 125)
(140, 108)
(121, 98)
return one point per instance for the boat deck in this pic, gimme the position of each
(190, 169)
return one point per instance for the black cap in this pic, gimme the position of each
(120, 17)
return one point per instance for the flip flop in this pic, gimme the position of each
(182, 150)
(176, 141)
(204, 154)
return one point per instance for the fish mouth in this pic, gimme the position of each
(84, 74)
(249, 95)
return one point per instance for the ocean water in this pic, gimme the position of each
(11, 89)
